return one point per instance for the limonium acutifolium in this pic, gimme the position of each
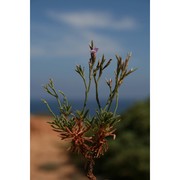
(88, 135)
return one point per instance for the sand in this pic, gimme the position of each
(49, 159)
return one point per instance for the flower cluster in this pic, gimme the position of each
(88, 135)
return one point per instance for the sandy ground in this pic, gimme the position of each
(49, 157)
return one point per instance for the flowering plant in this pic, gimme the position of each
(88, 135)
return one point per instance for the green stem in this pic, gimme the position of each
(117, 98)
(50, 110)
(87, 88)
(58, 101)
(90, 77)
(110, 99)
(57, 97)
(97, 96)
(117, 95)
(86, 94)
(110, 102)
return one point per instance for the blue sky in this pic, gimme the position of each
(62, 29)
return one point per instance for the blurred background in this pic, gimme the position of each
(60, 34)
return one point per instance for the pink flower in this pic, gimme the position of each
(93, 55)
(94, 50)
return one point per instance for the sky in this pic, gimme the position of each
(61, 31)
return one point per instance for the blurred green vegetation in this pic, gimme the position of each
(128, 157)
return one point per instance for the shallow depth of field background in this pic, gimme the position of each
(60, 33)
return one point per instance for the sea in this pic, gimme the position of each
(37, 107)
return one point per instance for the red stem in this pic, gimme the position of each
(90, 166)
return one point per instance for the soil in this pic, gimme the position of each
(49, 159)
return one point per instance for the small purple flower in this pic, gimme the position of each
(94, 50)
(93, 55)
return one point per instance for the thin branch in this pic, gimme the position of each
(50, 110)
(97, 96)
